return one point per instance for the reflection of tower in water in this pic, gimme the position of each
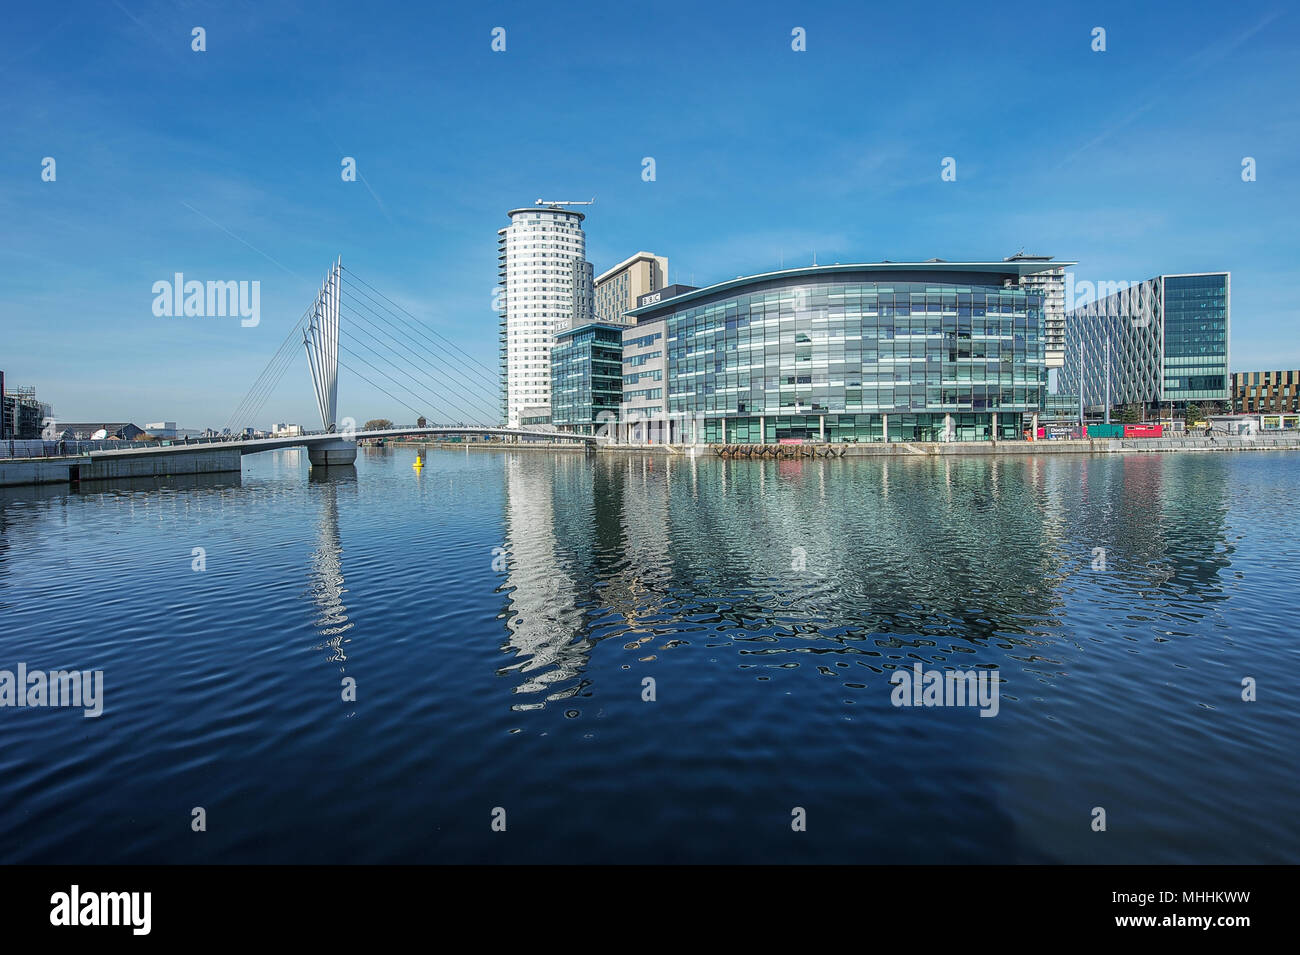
(542, 616)
(327, 563)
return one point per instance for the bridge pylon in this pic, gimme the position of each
(321, 339)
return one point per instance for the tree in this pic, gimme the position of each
(1130, 414)
(1193, 413)
(377, 424)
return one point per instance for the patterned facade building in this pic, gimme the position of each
(1165, 340)
(1266, 391)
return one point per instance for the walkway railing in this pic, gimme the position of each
(41, 448)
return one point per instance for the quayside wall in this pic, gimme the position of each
(114, 465)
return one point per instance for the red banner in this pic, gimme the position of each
(1144, 430)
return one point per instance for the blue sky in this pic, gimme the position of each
(226, 164)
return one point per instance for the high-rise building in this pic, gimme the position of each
(619, 288)
(538, 258)
(1050, 284)
(1167, 339)
(584, 295)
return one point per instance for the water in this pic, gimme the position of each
(521, 687)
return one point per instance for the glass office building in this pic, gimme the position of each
(1060, 407)
(1196, 338)
(1167, 340)
(926, 351)
(587, 377)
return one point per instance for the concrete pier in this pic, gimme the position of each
(332, 454)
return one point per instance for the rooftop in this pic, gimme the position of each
(536, 209)
(1016, 267)
(640, 256)
(568, 332)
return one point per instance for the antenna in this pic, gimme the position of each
(564, 202)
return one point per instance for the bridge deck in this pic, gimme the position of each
(254, 445)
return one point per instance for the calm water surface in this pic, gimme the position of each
(499, 612)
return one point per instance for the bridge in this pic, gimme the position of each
(403, 358)
(330, 443)
(394, 346)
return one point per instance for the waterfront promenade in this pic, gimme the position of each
(208, 459)
(907, 448)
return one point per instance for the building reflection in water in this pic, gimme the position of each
(544, 621)
(957, 561)
(326, 576)
(1161, 519)
(640, 583)
(588, 560)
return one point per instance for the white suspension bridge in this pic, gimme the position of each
(412, 364)
(428, 374)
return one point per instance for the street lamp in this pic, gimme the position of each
(1108, 379)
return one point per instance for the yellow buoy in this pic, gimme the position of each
(418, 463)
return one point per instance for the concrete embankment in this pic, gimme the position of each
(921, 448)
(903, 448)
(1084, 446)
(896, 448)
(113, 465)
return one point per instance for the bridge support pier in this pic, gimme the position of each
(332, 454)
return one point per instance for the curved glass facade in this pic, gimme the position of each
(851, 357)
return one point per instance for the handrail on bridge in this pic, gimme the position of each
(62, 448)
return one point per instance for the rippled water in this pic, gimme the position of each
(500, 611)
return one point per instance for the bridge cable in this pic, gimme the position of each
(258, 397)
(343, 364)
(273, 371)
(400, 335)
(490, 387)
(490, 372)
(433, 374)
(400, 386)
(410, 392)
(270, 375)
(421, 390)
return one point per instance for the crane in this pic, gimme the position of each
(545, 202)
